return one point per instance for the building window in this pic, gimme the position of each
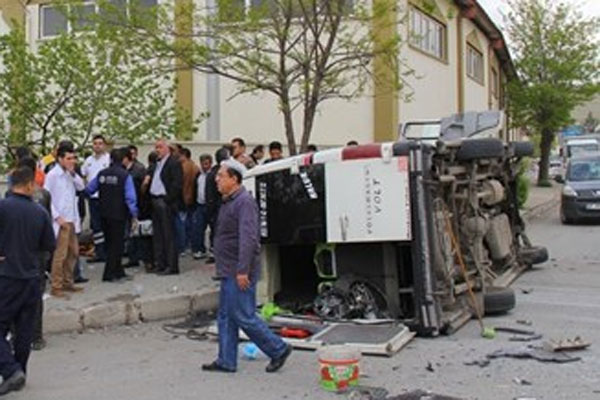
(495, 82)
(475, 64)
(427, 34)
(236, 10)
(54, 22)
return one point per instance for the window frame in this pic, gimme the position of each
(70, 28)
(415, 39)
(249, 5)
(472, 74)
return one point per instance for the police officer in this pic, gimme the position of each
(117, 204)
(25, 232)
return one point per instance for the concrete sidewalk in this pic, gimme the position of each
(148, 297)
(541, 200)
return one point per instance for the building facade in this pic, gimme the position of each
(459, 56)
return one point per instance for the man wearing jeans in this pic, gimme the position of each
(237, 254)
(200, 220)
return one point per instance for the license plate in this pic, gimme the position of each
(593, 206)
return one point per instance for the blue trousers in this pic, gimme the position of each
(199, 224)
(18, 305)
(237, 310)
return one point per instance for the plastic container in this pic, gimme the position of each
(250, 351)
(338, 367)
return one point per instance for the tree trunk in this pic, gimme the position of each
(288, 125)
(309, 119)
(544, 165)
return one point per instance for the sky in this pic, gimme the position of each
(495, 7)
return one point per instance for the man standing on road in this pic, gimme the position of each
(63, 182)
(118, 203)
(237, 254)
(91, 167)
(25, 233)
(137, 170)
(165, 190)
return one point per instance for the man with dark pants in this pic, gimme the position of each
(212, 196)
(165, 191)
(237, 254)
(136, 169)
(90, 169)
(25, 232)
(118, 203)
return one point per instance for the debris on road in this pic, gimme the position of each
(516, 331)
(536, 353)
(429, 367)
(365, 393)
(525, 338)
(524, 322)
(526, 291)
(529, 352)
(520, 381)
(422, 395)
(567, 344)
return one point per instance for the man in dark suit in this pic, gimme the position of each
(166, 186)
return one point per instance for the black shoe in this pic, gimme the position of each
(13, 383)
(277, 363)
(214, 367)
(132, 264)
(81, 280)
(168, 272)
(38, 344)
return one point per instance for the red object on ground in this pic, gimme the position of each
(294, 333)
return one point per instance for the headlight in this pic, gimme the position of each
(569, 191)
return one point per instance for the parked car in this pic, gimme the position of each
(379, 229)
(557, 170)
(581, 193)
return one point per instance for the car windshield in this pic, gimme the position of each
(584, 170)
(422, 131)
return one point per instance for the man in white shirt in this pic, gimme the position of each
(90, 169)
(200, 221)
(63, 182)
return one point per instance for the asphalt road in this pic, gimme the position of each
(144, 362)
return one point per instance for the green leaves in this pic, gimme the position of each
(557, 56)
(77, 85)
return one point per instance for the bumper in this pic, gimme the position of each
(577, 208)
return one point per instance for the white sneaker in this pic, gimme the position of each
(198, 255)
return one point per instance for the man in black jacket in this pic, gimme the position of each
(25, 232)
(166, 187)
(117, 204)
(212, 195)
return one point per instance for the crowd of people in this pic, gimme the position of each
(153, 214)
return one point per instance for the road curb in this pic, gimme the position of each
(541, 209)
(134, 311)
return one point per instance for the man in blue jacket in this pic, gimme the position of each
(25, 233)
(117, 203)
